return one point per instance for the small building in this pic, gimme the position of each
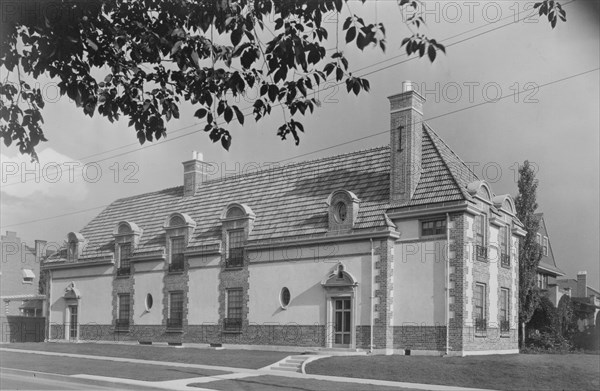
(548, 270)
(585, 299)
(19, 276)
(396, 249)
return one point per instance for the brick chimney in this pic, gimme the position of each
(40, 252)
(406, 133)
(194, 173)
(581, 284)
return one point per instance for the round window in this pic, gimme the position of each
(341, 211)
(285, 297)
(149, 301)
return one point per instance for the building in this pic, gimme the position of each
(548, 271)
(19, 276)
(585, 299)
(397, 249)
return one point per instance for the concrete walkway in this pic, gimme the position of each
(235, 373)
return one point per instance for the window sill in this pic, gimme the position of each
(174, 330)
(234, 267)
(123, 276)
(122, 330)
(505, 266)
(480, 335)
(176, 272)
(438, 236)
(481, 259)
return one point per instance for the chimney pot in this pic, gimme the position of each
(407, 85)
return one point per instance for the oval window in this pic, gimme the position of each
(285, 297)
(341, 211)
(149, 301)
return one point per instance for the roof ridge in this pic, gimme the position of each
(248, 174)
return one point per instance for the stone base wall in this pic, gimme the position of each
(284, 335)
(491, 340)
(420, 337)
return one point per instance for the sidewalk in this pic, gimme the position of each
(232, 373)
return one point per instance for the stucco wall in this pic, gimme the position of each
(419, 283)
(203, 295)
(147, 283)
(303, 276)
(94, 284)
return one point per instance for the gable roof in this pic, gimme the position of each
(288, 201)
(548, 262)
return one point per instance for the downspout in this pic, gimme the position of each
(372, 296)
(447, 298)
(48, 301)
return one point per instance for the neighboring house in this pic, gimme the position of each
(548, 271)
(586, 300)
(19, 276)
(398, 249)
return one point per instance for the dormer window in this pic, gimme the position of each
(237, 222)
(343, 210)
(545, 246)
(177, 257)
(235, 248)
(480, 237)
(127, 237)
(503, 244)
(75, 243)
(125, 252)
(179, 228)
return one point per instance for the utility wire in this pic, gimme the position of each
(360, 138)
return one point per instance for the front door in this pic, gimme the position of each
(342, 318)
(73, 322)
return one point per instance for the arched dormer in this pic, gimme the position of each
(179, 228)
(237, 221)
(481, 190)
(75, 243)
(127, 237)
(234, 211)
(506, 203)
(342, 209)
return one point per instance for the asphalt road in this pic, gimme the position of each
(26, 381)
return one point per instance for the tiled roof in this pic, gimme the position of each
(288, 201)
(444, 177)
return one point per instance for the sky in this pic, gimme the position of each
(494, 48)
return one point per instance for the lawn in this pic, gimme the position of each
(75, 366)
(498, 372)
(253, 359)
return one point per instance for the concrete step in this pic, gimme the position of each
(289, 365)
(285, 369)
(296, 360)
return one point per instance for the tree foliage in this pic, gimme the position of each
(141, 59)
(530, 252)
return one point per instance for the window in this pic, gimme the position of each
(123, 309)
(28, 276)
(479, 300)
(433, 227)
(175, 320)
(341, 212)
(542, 281)
(177, 249)
(480, 247)
(503, 240)
(545, 246)
(233, 322)
(124, 268)
(149, 302)
(285, 297)
(72, 252)
(235, 256)
(538, 239)
(504, 311)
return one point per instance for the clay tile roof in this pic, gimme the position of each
(288, 201)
